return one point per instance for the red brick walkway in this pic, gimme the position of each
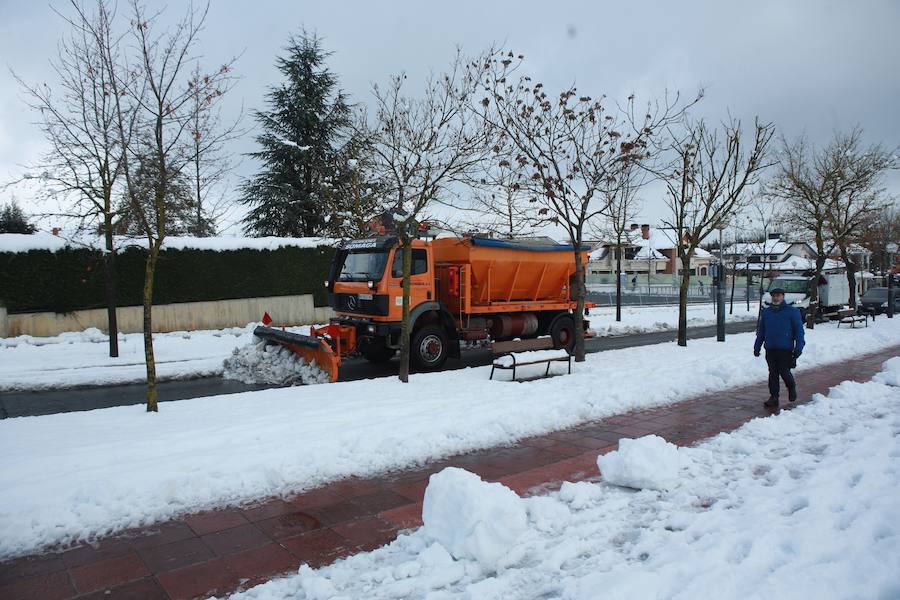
(221, 551)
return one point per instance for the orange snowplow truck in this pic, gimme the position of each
(461, 289)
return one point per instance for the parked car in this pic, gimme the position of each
(876, 300)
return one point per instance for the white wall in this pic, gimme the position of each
(285, 310)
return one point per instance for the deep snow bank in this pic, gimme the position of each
(258, 362)
(77, 475)
(799, 505)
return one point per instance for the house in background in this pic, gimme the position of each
(648, 253)
(775, 255)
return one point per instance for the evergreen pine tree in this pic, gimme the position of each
(13, 220)
(307, 148)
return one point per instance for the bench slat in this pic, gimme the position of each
(544, 343)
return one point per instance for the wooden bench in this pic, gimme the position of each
(519, 353)
(850, 316)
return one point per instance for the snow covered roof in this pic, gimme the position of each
(767, 247)
(16, 242)
(792, 263)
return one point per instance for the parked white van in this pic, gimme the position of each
(834, 291)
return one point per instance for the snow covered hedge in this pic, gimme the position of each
(70, 278)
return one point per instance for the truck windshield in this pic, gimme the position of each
(363, 265)
(791, 286)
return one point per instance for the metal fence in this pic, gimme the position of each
(660, 295)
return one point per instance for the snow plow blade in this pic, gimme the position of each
(312, 349)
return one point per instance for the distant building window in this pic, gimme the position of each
(773, 257)
(703, 270)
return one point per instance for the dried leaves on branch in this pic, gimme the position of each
(709, 179)
(565, 150)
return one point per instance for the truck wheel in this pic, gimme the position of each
(379, 355)
(562, 332)
(429, 348)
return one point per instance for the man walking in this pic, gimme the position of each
(781, 329)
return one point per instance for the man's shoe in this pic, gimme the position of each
(772, 402)
(792, 395)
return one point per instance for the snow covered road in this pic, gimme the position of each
(79, 475)
(80, 359)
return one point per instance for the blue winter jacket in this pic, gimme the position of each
(781, 328)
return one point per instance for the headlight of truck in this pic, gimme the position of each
(371, 285)
(884, 305)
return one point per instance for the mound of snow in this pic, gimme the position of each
(649, 462)
(890, 375)
(262, 363)
(471, 518)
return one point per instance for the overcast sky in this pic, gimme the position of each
(812, 67)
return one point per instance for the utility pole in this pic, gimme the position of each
(891, 250)
(749, 278)
(720, 293)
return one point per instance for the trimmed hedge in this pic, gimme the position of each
(72, 278)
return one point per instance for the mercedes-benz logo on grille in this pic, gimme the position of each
(352, 302)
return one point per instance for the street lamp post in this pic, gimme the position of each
(749, 279)
(720, 293)
(891, 250)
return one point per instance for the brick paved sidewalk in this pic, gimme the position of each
(221, 551)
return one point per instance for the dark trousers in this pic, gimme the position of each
(780, 363)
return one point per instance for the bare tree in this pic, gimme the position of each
(705, 186)
(568, 149)
(210, 162)
(83, 170)
(830, 194)
(765, 212)
(858, 194)
(501, 208)
(622, 208)
(164, 97)
(423, 146)
(884, 230)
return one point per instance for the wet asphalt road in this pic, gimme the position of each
(22, 404)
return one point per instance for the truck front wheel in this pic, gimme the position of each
(429, 348)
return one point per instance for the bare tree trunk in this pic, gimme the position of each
(851, 275)
(733, 278)
(404, 328)
(814, 284)
(109, 273)
(149, 273)
(682, 300)
(619, 283)
(579, 304)
(199, 229)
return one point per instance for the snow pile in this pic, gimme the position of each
(471, 518)
(891, 373)
(649, 319)
(74, 476)
(799, 505)
(91, 335)
(81, 358)
(262, 363)
(649, 462)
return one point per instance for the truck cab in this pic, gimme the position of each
(365, 289)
